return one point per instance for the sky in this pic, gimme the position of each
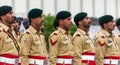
(20, 8)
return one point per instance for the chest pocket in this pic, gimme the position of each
(8, 39)
(65, 40)
(88, 41)
(36, 41)
(109, 43)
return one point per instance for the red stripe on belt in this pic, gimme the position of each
(37, 57)
(112, 57)
(88, 53)
(9, 56)
(65, 57)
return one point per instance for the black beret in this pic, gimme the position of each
(5, 9)
(34, 13)
(105, 19)
(80, 16)
(63, 15)
(118, 22)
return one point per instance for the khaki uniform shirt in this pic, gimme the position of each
(118, 39)
(60, 44)
(82, 43)
(6, 43)
(105, 46)
(32, 44)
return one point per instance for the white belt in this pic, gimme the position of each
(88, 57)
(8, 60)
(36, 61)
(65, 61)
(110, 61)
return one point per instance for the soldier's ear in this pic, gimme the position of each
(80, 22)
(60, 21)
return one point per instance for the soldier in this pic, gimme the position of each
(60, 44)
(84, 48)
(107, 51)
(16, 27)
(33, 46)
(118, 36)
(9, 46)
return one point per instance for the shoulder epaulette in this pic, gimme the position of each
(55, 32)
(102, 36)
(27, 32)
(77, 34)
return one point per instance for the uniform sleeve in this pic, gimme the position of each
(100, 50)
(77, 41)
(53, 49)
(1, 40)
(117, 39)
(24, 50)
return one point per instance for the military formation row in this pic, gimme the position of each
(29, 48)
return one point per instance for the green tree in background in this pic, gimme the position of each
(48, 25)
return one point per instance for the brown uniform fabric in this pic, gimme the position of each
(6, 43)
(118, 39)
(60, 44)
(105, 46)
(82, 43)
(32, 44)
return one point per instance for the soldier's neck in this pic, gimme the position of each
(37, 28)
(7, 24)
(85, 29)
(109, 31)
(66, 29)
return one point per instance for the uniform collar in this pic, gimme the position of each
(82, 31)
(107, 33)
(6, 28)
(62, 30)
(32, 29)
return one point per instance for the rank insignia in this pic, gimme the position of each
(101, 43)
(53, 42)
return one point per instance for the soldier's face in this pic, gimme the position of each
(110, 25)
(86, 22)
(16, 26)
(38, 21)
(66, 23)
(9, 17)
